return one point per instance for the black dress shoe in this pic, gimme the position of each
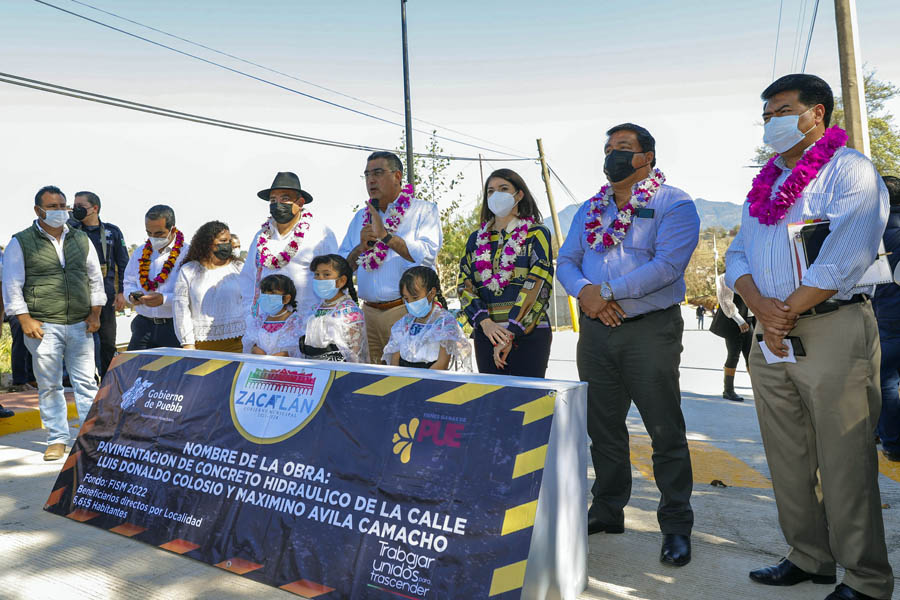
(732, 395)
(676, 549)
(891, 456)
(787, 573)
(595, 525)
(5, 412)
(845, 592)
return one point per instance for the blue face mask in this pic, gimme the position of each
(419, 308)
(270, 304)
(325, 288)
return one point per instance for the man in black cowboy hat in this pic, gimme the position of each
(291, 238)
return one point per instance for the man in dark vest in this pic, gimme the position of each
(52, 283)
(110, 246)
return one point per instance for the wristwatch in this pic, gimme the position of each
(386, 239)
(606, 291)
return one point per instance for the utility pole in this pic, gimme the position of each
(545, 174)
(852, 81)
(481, 170)
(410, 164)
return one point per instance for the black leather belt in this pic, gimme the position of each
(636, 317)
(833, 304)
(156, 320)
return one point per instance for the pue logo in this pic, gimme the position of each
(269, 404)
(135, 392)
(434, 431)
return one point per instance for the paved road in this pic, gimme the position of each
(44, 556)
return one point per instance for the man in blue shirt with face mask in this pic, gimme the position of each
(624, 259)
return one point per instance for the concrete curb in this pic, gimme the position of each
(29, 419)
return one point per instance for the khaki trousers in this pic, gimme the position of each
(817, 418)
(378, 328)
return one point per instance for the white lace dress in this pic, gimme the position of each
(273, 337)
(342, 325)
(422, 342)
(207, 303)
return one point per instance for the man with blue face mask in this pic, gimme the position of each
(53, 284)
(817, 411)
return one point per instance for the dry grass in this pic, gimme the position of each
(5, 348)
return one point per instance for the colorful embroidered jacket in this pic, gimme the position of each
(524, 301)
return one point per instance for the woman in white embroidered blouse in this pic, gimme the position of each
(207, 303)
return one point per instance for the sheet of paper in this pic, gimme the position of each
(772, 359)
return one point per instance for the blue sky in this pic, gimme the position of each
(506, 71)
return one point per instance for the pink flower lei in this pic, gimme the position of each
(641, 194)
(770, 209)
(265, 256)
(372, 258)
(484, 266)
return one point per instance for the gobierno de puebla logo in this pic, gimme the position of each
(439, 431)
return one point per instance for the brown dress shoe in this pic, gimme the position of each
(54, 451)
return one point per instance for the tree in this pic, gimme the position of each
(700, 275)
(883, 135)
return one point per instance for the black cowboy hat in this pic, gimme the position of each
(285, 180)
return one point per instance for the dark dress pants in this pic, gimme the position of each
(528, 358)
(106, 335)
(149, 333)
(20, 357)
(637, 361)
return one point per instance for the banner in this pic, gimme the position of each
(320, 481)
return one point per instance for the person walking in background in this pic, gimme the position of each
(701, 312)
(335, 329)
(391, 233)
(207, 301)
(276, 327)
(53, 284)
(110, 246)
(150, 280)
(624, 259)
(428, 336)
(732, 322)
(506, 280)
(886, 304)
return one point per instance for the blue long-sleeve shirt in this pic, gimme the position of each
(645, 271)
(849, 193)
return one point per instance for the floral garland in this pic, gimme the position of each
(484, 266)
(152, 285)
(276, 261)
(372, 258)
(641, 194)
(770, 209)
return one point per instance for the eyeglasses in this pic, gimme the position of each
(377, 173)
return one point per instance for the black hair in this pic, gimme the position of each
(161, 211)
(234, 236)
(47, 189)
(644, 138)
(811, 90)
(527, 206)
(92, 198)
(341, 265)
(201, 246)
(392, 159)
(426, 277)
(279, 283)
(893, 186)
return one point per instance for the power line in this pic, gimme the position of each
(203, 120)
(777, 37)
(277, 72)
(812, 26)
(801, 18)
(565, 188)
(263, 80)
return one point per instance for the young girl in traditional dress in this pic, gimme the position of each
(277, 325)
(428, 336)
(335, 329)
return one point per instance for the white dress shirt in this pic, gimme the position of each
(167, 288)
(14, 272)
(207, 306)
(725, 296)
(849, 192)
(317, 240)
(420, 228)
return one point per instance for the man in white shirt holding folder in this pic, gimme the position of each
(816, 415)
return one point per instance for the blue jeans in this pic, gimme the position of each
(74, 346)
(889, 423)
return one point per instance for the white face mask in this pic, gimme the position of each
(159, 243)
(783, 133)
(501, 203)
(55, 218)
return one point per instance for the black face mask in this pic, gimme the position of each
(222, 251)
(281, 212)
(617, 165)
(79, 213)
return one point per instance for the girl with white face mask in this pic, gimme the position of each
(336, 328)
(428, 336)
(506, 279)
(276, 325)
